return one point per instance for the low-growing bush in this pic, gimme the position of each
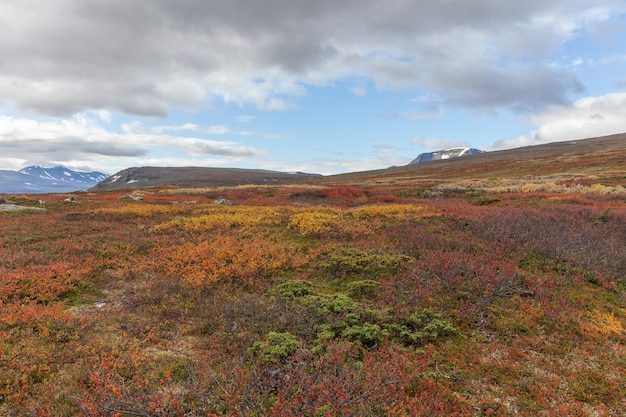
(351, 261)
(277, 346)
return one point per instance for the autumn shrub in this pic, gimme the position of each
(40, 283)
(310, 194)
(236, 323)
(117, 387)
(599, 324)
(228, 258)
(342, 379)
(566, 236)
(414, 193)
(227, 217)
(359, 221)
(315, 222)
(389, 211)
(343, 193)
(143, 209)
(443, 308)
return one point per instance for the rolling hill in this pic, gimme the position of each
(152, 177)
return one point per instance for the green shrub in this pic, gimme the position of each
(485, 201)
(333, 303)
(603, 218)
(353, 261)
(362, 288)
(367, 335)
(276, 346)
(304, 292)
(295, 288)
(421, 328)
(363, 334)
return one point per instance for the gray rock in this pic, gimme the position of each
(223, 201)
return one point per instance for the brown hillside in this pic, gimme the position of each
(152, 177)
(603, 156)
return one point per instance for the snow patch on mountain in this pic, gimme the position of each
(445, 154)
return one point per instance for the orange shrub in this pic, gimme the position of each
(228, 258)
(39, 283)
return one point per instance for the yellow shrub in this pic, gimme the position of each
(225, 216)
(605, 324)
(316, 221)
(393, 211)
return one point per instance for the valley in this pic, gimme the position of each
(487, 285)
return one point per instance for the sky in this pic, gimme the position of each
(322, 86)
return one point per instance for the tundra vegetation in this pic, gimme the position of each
(369, 300)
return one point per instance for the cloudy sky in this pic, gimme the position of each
(320, 86)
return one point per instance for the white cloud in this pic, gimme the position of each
(586, 118)
(211, 130)
(359, 91)
(437, 143)
(271, 136)
(185, 126)
(338, 166)
(245, 118)
(420, 115)
(104, 115)
(385, 149)
(146, 57)
(428, 106)
(81, 139)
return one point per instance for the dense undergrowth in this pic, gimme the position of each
(315, 302)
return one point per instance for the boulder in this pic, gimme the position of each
(223, 201)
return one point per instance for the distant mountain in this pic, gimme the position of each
(150, 177)
(445, 154)
(36, 179)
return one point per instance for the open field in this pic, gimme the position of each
(433, 291)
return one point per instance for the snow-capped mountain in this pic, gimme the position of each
(445, 154)
(37, 179)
